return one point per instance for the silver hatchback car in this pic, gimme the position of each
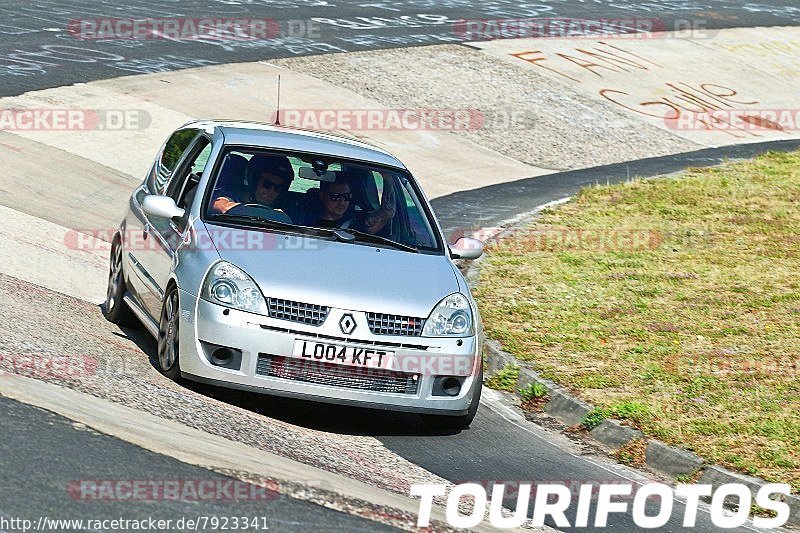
(298, 264)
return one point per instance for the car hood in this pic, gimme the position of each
(355, 277)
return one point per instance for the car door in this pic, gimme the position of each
(166, 235)
(137, 223)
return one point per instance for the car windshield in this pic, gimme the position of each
(377, 204)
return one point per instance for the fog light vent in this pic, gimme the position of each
(222, 356)
(447, 385)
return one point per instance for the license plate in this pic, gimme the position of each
(341, 354)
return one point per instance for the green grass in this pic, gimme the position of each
(533, 391)
(505, 379)
(635, 412)
(672, 303)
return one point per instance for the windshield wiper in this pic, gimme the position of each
(260, 221)
(369, 237)
(339, 233)
(250, 218)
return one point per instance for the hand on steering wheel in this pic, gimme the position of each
(251, 206)
(262, 211)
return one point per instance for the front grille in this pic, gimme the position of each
(381, 324)
(371, 379)
(313, 315)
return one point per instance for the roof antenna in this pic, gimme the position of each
(278, 107)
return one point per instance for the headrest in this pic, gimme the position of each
(277, 165)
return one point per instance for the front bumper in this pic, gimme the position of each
(418, 360)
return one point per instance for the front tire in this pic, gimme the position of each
(115, 309)
(168, 336)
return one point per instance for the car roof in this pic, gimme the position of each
(259, 134)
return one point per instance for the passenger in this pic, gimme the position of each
(379, 220)
(268, 178)
(335, 198)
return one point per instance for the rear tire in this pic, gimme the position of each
(169, 334)
(115, 309)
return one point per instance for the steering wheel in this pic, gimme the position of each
(260, 211)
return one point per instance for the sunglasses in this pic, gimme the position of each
(335, 197)
(266, 184)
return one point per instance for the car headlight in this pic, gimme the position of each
(452, 317)
(228, 285)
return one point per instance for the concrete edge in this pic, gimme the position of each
(195, 447)
(614, 434)
(672, 461)
(717, 475)
(570, 410)
(498, 360)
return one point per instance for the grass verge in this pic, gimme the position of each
(673, 303)
(505, 379)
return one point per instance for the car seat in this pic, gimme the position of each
(278, 165)
(231, 181)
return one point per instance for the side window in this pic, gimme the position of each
(173, 150)
(416, 225)
(184, 182)
(378, 185)
(183, 185)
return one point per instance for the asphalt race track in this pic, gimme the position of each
(50, 452)
(37, 53)
(496, 447)
(491, 206)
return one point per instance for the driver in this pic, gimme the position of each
(269, 177)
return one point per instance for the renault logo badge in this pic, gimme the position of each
(347, 324)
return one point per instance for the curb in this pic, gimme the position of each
(716, 476)
(498, 361)
(566, 408)
(615, 435)
(660, 457)
(572, 411)
(672, 461)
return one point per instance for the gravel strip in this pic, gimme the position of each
(560, 128)
(41, 326)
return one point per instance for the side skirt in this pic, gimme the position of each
(142, 315)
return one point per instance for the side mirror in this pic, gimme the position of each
(466, 248)
(161, 206)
